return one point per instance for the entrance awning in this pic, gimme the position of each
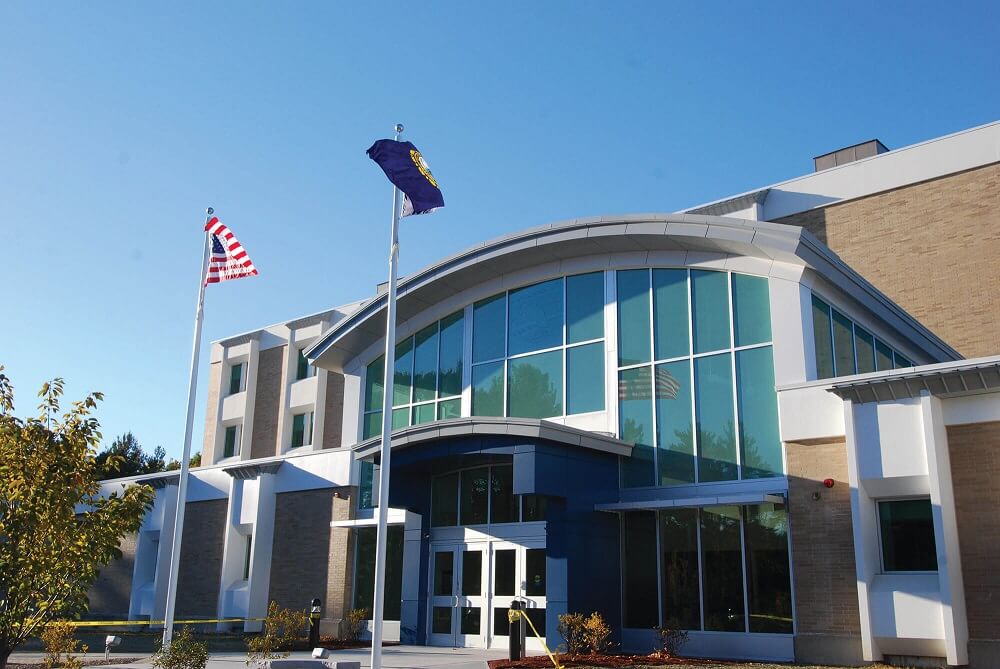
(734, 499)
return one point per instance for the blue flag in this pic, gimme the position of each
(408, 170)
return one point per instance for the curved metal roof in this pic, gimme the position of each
(637, 233)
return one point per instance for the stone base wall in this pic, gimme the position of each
(112, 591)
(201, 559)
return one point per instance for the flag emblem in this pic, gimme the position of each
(228, 260)
(407, 169)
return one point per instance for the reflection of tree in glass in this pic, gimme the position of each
(533, 393)
(633, 432)
(717, 454)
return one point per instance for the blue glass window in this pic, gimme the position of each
(535, 317)
(534, 385)
(675, 437)
(751, 310)
(585, 378)
(713, 382)
(584, 307)
(489, 317)
(633, 317)
(635, 413)
(823, 337)
(450, 361)
(710, 297)
(425, 364)
(670, 309)
(487, 389)
(759, 439)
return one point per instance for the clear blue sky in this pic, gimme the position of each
(121, 121)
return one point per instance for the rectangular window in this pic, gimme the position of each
(675, 438)
(716, 429)
(403, 375)
(843, 347)
(303, 370)
(534, 385)
(364, 579)
(843, 344)
(883, 356)
(751, 310)
(639, 558)
(503, 502)
(907, 535)
(374, 387)
(768, 579)
(635, 413)
(368, 474)
(300, 429)
(450, 355)
(670, 313)
(423, 413)
(864, 349)
(489, 317)
(760, 443)
(584, 307)
(249, 554)
(474, 499)
(444, 500)
(487, 389)
(679, 569)
(710, 300)
(533, 507)
(231, 442)
(236, 378)
(585, 378)
(633, 317)
(823, 336)
(721, 555)
(449, 409)
(535, 317)
(900, 362)
(425, 365)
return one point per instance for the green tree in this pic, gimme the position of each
(174, 464)
(125, 457)
(56, 528)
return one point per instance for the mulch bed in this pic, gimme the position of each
(542, 661)
(86, 663)
(333, 643)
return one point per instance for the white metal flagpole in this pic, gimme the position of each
(382, 511)
(175, 546)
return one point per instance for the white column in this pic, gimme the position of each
(246, 436)
(866, 552)
(260, 550)
(169, 515)
(949, 559)
(232, 549)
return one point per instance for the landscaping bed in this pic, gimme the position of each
(87, 663)
(612, 660)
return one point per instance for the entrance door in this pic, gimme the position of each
(458, 602)
(517, 572)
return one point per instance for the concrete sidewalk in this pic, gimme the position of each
(394, 657)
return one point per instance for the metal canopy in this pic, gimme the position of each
(966, 377)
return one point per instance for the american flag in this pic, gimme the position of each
(228, 260)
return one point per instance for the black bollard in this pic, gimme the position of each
(514, 633)
(315, 613)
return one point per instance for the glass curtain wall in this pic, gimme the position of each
(696, 377)
(538, 351)
(843, 347)
(721, 569)
(480, 496)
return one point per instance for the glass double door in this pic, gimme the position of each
(472, 586)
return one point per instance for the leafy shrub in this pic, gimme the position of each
(184, 652)
(670, 641)
(60, 646)
(281, 628)
(571, 629)
(596, 633)
(352, 623)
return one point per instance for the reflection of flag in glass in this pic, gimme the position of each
(637, 385)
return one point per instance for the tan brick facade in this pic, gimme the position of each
(826, 593)
(932, 247)
(311, 559)
(111, 593)
(333, 409)
(975, 471)
(267, 403)
(201, 558)
(211, 412)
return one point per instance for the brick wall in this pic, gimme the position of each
(309, 558)
(211, 412)
(931, 247)
(975, 471)
(109, 596)
(333, 412)
(201, 558)
(826, 593)
(267, 403)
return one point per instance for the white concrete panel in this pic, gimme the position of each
(810, 413)
(234, 406)
(351, 425)
(208, 484)
(971, 409)
(248, 502)
(238, 352)
(907, 606)
(303, 393)
(318, 470)
(595, 422)
(891, 440)
(788, 325)
(305, 335)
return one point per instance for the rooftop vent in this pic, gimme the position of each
(872, 147)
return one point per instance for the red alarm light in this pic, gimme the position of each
(828, 483)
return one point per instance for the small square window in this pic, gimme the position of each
(301, 429)
(236, 378)
(303, 370)
(231, 443)
(906, 527)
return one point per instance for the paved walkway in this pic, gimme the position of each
(394, 657)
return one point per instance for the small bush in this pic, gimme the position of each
(352, 623)
(61, 647)
(571, 629)
(281, 628)
(596, 633)
(184, 652)
(670, 641)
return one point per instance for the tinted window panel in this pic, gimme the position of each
(584, 307)
(713, 382)
(675, 438)
(372, 426)
(768, 576)
(883, 356)
(487, 389)
(710, 297)
(449, 409)
(373, 384)
(365, 577)
(843, 344)
(534, 385)
(535, 317)
(503, 503)
(444, 500)
(900, 361)
(907, 532)
(751, 310)
(758, 403)
(423, 413)
(425, 364)
(403, 378)
(489, 319)
(633, 317)
(534, 565)
(585, 378)
(450, 364)
(679, 567)
(670, 312)
(722, 558)
(823, 338)
(504, 574)
(475, 495)
(639, 548)
(635, 411)
(864, 347)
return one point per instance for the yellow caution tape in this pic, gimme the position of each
(514, 614)
(133, 623)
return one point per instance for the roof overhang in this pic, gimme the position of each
(481, 427)
(950, 379)
(642, 235)
(732, 499)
